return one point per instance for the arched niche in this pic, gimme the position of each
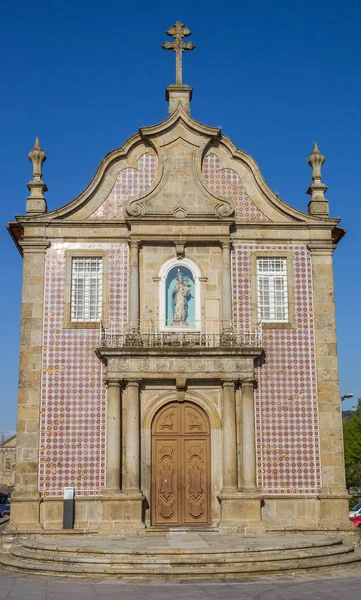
(179, 285)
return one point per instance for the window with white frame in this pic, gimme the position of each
(272, 292)
(86, 289)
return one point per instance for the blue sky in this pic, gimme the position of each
(276, 76)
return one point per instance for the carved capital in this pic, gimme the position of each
(133, 245)
(228, 384)
(226, 245)
(135, 383)
(248, 383)
(112, 383)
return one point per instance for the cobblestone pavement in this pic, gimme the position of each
(342, 583)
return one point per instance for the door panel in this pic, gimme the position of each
(194, 422)
(180, 466)
(168, 420)
(196, 481)
(166, 492)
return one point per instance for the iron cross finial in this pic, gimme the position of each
(178, 31)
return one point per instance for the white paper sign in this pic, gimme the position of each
(68, 493)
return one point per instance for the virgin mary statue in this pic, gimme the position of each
(180, 294)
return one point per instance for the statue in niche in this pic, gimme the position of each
(180, 294)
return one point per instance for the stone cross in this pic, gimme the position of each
(178, 31)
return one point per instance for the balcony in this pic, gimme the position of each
(211, 334)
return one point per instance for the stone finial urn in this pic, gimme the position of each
(318, 205)
(37, 156)
(36, 203)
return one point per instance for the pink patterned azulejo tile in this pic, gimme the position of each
(227, 184)
(129, 183)
(287, 423)
(73, 395)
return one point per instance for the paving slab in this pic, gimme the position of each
(336, 584)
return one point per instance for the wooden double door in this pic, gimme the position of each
(180, 466)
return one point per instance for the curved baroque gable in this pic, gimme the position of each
(164, 175)
(227, 183)
(129, 183)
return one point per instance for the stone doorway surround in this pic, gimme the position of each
(180, 371)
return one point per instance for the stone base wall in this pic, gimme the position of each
(105, 515)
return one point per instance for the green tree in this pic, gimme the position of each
(352, 445)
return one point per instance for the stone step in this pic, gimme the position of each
(198, 558)
(180, 530)
(189, 571)
(136, 546)
(181, 555)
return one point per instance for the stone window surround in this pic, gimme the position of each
(291, 323)
(69, 255)
(163, 273)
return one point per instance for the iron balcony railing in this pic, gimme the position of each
(209, 334)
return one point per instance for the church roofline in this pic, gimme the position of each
(145, 135)
(16, 233)
(7, 440)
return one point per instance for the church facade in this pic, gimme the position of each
(178, 359)
(7, 461)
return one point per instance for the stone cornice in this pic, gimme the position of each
(325, 247)
(180, 351)
(322, 224)
(194, 364)
(150, 231)
(34, 246)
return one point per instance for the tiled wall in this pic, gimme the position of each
(223, 182)
(227, 183)
(287, 426)
(130, 182)
(73, 405)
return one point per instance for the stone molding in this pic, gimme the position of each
(189, 364)
(34, 246)
(169, 129)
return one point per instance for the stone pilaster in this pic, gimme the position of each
(229, 438)
(25, 501)
(134, 285)
(226, 285)
(334, 504)
(131, 478)
(240, 509)
(249, 469)
(113, 466)
(122, 512)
